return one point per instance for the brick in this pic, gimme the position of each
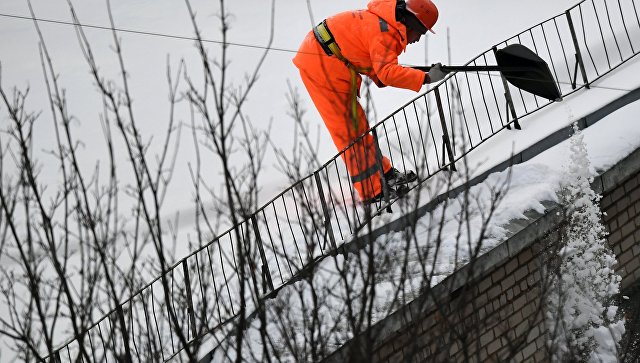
(511, 266)
(628, 229)
(534, 265)
(396, 358)
(514, 319)
(483, 354)
(533, 295)
(494, 346)
(528, 310)
(386, 350)
(541, 341)
(402, 341)
(481, 299)
(617, 250)
(534, 333)
(494, 292)
(529, 350)
(521, 273)
(610, 213)
(605, 201)
(503, 301)
(630, 185)
(525, 256)
(484, 285)
(627, 242)
(617, 194)
(519, 303)
(625, 258)
(540, 356)
(486, 338)
(627, 280)
(635, 194)
(623, 218)
(516, 291)
(482, 313)
(623, 203)
(510, 294)
(533, 278)
(635, 250)
(454, 348)
(522, 328)
(615, 237)
(497, 275)
(410, 353)
(632, 265)
(488, 310)
(508, 282)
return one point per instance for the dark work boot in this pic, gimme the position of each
(395, 177)
(394, 193)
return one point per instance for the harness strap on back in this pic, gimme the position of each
(328, 43)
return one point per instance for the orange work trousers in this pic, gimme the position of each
(336, 108)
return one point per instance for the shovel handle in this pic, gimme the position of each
(476, 68)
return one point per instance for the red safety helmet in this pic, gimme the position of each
(425, 10)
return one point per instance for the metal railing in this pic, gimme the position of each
(313, 217)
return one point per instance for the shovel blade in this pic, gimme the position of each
(536, 78)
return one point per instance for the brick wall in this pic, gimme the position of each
(622, 208)
(492, 312)
(495, 318)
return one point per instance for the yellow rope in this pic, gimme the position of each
(330, 43)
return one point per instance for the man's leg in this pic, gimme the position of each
(335, 109)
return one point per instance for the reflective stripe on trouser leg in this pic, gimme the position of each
(336, 112)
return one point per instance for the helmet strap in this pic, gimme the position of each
(411, 21)
(408, 18)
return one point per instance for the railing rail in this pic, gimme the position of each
(316, 214)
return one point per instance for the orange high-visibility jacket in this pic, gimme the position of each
(363, 40)
(370, 40)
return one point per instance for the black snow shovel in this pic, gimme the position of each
(521, 67)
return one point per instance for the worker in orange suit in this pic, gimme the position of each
(331, 60)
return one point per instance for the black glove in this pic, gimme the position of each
(436, 73)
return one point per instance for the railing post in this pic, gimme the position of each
(124, 333)
(579, 61)
(266, 274)
(507, 95)
(445, 133)
(325, 211)
(383, 181)
(55, 357)
(190, 309)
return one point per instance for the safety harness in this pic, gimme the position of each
(328, 43)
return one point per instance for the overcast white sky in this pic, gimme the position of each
(474, 25)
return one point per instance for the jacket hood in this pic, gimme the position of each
(386, 9)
